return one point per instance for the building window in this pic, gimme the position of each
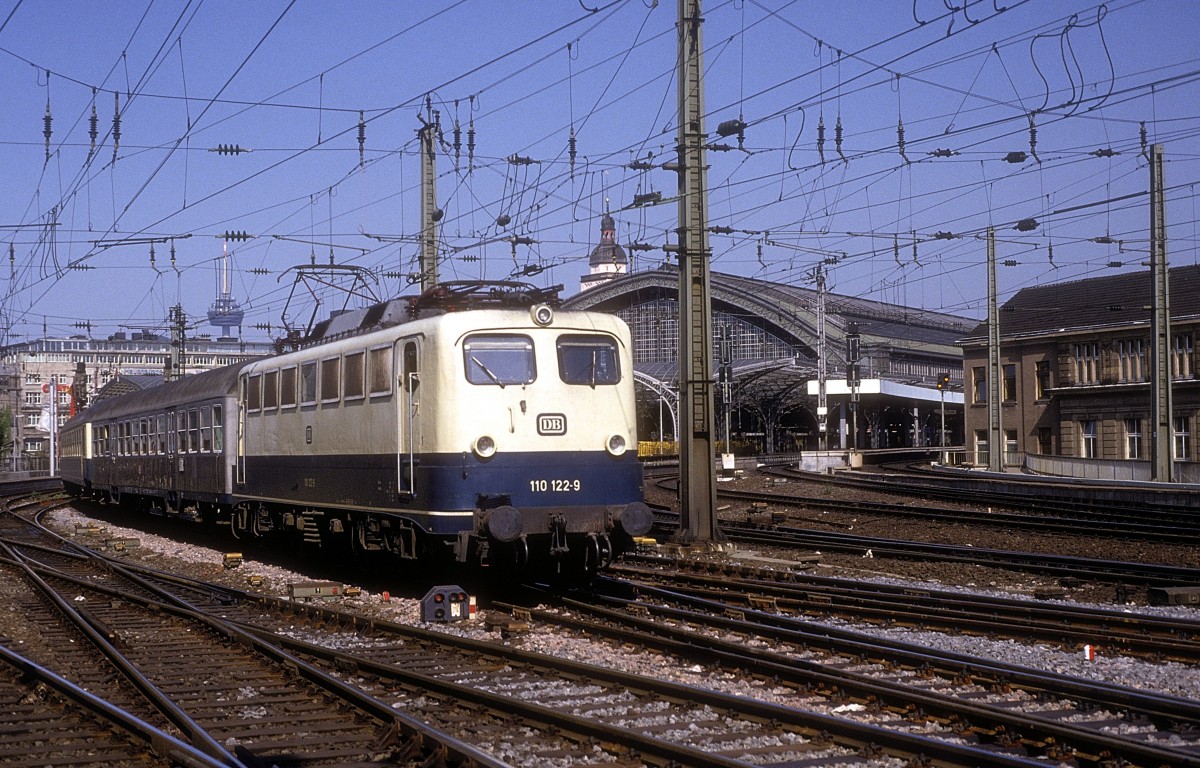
(31, 419)
(1133, 438)
(981, 446)
(1087, 438)
(1010, 383)
(33, 398)
(1181, 356)
(1010, 447)
(1087, 362)
(980, 384)
(1045, 441)
(1132, 355)
(1183, 438)
(33, 378)
(1042, 378)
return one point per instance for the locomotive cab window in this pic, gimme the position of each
(499, 359)
(270, 390)
(588, 360)
(254, 393)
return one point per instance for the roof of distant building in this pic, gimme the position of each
(1096, 302)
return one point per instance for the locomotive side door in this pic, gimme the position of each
(408, 431)
(239, 470)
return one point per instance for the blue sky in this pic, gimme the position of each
(287, 80)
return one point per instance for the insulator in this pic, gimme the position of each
(1033, 138)
(12, 260)
(1116, 264)
(47, 132)
(457, 142)
(1050, 253)
(362, 138)
(94, 126)
(1142, 133)
(914, 248)
(942, 153)
(1105, 152)
(731, 128)
(1011, 262)
(1026, 225)
(235, 236)
(900, 138)
(1016, 157)
(571, 148)
(116, 129)
(837, 139)
(172, 254)
(896, 249)
(151, 254)
(821, 138)
(503, 220)
(471, 143)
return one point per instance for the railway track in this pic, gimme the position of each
(231, 696)
(875, 547)
(1072, 627)
(1053, 716)
(1178, 527)
(593, 714)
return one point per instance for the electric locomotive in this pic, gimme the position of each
(476, 423)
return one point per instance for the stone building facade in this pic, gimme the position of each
(1076, 361)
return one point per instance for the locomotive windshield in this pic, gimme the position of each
(589, 360)
(499, 359)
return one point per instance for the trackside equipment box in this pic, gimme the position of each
(447, 603)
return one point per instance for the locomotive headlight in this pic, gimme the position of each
(484, 447)
(542, 314)
(616, 445)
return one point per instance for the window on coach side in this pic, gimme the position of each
(308, 383)
(193, 431)
(589, 360)
(379, 371)
(499, 359)
(353, 371)
(253, 394)
(218, 429)
(330, 379)
(287, 388)
(270, 390)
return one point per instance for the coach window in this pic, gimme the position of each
(499, 359)
(287, 388)
(218, 429)
(253, 394)
(162, 434)
(270, 390)
(181, 441)
(589, 360)
(308, 383)
(206, 429)
(352, 379)
(193, 431)
(330, 379)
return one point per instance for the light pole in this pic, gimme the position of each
(943, 383)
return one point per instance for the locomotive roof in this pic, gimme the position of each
(201, 386)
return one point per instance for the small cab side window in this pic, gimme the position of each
(499, 359)
(588, 360)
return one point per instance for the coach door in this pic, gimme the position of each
(239, 469)
(408, 354)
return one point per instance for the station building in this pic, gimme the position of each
(766, 348)
(1075, 360)
(32, 372)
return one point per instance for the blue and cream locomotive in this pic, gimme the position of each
(476, 422)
